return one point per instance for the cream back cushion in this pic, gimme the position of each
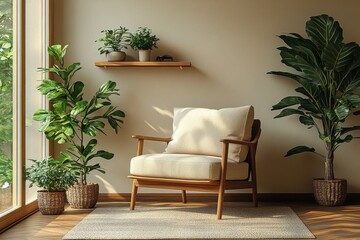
(199, 130)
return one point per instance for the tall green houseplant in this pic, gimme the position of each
(72, 117)
(328, 72)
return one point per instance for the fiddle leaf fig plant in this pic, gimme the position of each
(328, 72)
(74, 119)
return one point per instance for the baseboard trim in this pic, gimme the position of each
(230, 197)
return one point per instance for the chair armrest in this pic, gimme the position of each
(158, 139)
(141, 140)
(242, 142)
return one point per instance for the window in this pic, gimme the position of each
(20, 139)
(8, 165)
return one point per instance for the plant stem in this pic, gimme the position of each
(83, 176)
(329, 168)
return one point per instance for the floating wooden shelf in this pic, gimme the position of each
(143, 64)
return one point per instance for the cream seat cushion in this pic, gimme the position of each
(186, 166)
(199, 130)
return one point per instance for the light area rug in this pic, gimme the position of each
(190, 223)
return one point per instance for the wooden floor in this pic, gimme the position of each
(324, 222)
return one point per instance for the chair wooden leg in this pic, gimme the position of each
(254, 195)
(220, 202)
(133, 195)
(183, 196)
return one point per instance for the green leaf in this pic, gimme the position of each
(337, 56)
(107, 87)
(325, 138)
(288, 112)
(58, 53)
(48, 86)
(92, 127)
(299, 149)
(287, 102)
(68, 130)
(341, 112)
(310, 106)
(310, 87)
(118, 113)
(331, 115)
(77, 88)
(351, 82)
(323, 30)
(351, 100)
(101, 154)
(349, 129)
(310, 70)
(79, 108)
(288, 57)
(65, 158)
(113, 124)
(89, 147)
(70, 71)
(41, 115)
(45, 125)
(307, 120)
(347, 139)
(60, 106)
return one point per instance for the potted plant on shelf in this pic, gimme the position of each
(54, 178)
(114, 42)
(72, 118)
(329, 78)
(144, 41)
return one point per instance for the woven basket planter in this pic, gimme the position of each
(51, 203)
(330, 192)
(83, 196)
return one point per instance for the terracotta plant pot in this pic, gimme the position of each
(83, 196)
(116, 56)
(330, 192)
(51, 203)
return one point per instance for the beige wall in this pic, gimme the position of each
(231, 44)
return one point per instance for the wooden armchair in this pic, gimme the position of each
(188, 171)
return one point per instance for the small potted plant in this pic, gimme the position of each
(144, 41)
(114, 42)
(54, 178)
(328, 94)
(77, 121)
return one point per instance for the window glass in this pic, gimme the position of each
(7, 118)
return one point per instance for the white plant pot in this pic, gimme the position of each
(116, 56)
(144, 55)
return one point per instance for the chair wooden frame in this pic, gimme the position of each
(199, 185)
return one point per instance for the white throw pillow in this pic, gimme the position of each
(199, 130)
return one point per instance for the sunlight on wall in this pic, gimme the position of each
(232, 44)
(108, 186)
